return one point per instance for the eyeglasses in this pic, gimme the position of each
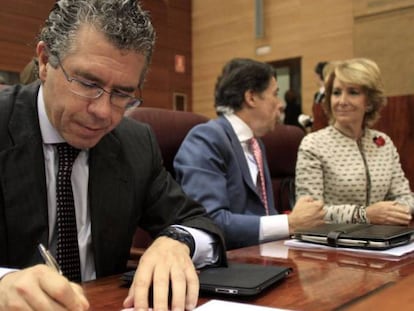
(93, 91)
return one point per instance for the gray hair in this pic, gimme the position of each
(123, 23)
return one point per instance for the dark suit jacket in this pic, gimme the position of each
(212, 169)
(128, 187)
(320, 120)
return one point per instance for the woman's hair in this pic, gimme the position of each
(365, 73)
(122, 22)
(238, 76)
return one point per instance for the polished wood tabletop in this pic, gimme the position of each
(321, 279)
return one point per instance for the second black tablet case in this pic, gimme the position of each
(365, 236)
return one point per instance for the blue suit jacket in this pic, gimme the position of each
(212, 169)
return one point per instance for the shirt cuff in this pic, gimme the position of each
(206, 250)
(275, 227)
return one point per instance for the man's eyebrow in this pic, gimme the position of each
(91, 77)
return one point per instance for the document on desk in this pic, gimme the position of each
(395, 252)
(214, 305)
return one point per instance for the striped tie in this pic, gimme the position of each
(257, 153)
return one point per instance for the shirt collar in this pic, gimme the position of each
(242, 130)
(49, 134)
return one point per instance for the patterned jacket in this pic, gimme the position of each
(350, 175)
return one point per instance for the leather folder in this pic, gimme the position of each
(365, 236)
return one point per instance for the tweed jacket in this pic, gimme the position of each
(348, 175)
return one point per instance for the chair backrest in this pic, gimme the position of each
(282, 146)
(170, 128)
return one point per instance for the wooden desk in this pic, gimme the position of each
(399, 297)
(321, 280)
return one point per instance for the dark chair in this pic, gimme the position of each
(282, 146)
(170, 128)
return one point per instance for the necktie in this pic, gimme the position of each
(67, 250)
(257, 153)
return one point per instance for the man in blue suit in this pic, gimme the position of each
(216, 167)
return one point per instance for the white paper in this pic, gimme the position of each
(398, 251)
(274, 249)
(216, 305)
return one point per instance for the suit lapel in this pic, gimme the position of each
(23, 181)
(238, 150)
(109, 186)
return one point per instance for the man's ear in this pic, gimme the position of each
(43, 58)
(250, 98)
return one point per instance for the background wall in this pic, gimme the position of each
(383, 31)
(21, 21)
(312, 30)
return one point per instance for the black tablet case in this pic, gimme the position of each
(237, 279)
(241, 279)
(365, 236)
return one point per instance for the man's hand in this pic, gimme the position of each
(40, 288)
(306, 213)
(389, 213)
(165, 261)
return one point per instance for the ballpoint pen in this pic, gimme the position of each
(48, 258)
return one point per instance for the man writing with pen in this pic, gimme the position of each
(78, 177)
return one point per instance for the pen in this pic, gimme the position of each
(49, 259)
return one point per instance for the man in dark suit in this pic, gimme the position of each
(93, 55)
(216, 166)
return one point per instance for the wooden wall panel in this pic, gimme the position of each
(384, 32)
(179, 25)
(397, 120)
(21, 20)
(172, 21)
(312, 30)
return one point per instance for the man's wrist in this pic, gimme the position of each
(181, 235)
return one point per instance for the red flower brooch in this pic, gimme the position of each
(379, 141)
